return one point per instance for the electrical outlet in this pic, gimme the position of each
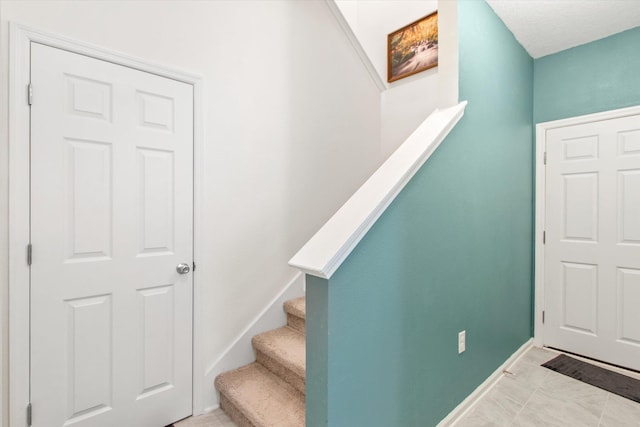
(462, 341)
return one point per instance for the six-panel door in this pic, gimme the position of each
(592, 255)
(111, 218)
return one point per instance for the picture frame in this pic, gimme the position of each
(413, 48)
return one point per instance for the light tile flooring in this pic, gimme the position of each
(216, 418)
(537, 396)
(532, 396)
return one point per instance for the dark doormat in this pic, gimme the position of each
(605, 379)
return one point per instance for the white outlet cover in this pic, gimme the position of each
(462, 344)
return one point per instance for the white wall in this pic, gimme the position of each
(407, 102)
(4, 242)
(292, 129)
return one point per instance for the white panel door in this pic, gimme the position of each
(592, 254)
(111, 217)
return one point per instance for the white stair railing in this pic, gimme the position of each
(323, 254)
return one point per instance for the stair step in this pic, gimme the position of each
(283, 352)
(296, 313)
(253, 397)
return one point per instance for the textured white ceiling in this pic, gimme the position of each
(544, 27)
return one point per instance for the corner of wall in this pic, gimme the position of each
(448, 92)
(317, 398)
(409, 101)
(349, 27)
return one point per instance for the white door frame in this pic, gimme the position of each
(541, 143)
(19, 201)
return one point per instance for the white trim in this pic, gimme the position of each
(332, 244)
(540, 180)
(470, 402)
(364, 58)
(198, 226)
(19, 60)
(541, 142)
(20, 38)
(589, 118)
(240, 351)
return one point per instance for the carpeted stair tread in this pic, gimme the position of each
(263, 399)
(271, 391)
(296, 307)
(284, 345)
(283, 351)
(296, 314)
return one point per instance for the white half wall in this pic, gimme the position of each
(407, 102)
(292, 130)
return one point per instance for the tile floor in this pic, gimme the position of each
(535, 396)
(532, 396)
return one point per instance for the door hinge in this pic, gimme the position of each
(545, 157)
(543, 317)
(29, 254)
(29, 414)
(30, 94)
(544, 237)
(194, 267)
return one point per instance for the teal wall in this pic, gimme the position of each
(452, 252)
(599, 76)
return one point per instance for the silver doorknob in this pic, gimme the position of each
(183, 268)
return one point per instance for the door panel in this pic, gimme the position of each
(580, 210)
(580, 286)
(111, 217)
(88, 170)
(628, 208)
(155, 306)
(592, 254)
(628, 303)
(629, 143)
(89, 353)
(155, 169)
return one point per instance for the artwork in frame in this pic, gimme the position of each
(413, 48)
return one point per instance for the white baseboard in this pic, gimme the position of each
(471, 400)
(240, 352)
(208, 410)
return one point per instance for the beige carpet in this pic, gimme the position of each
(271, 391)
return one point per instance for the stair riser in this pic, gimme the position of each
(295, 322)
(284, 373)
(271, 391)
(255, 397)
(234, 413)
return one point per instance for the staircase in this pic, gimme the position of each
(271, 391)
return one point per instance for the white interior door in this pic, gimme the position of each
(111, 217)
(592, 253)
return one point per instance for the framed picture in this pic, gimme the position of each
(413, 48)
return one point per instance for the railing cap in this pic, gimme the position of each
(323, 254)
